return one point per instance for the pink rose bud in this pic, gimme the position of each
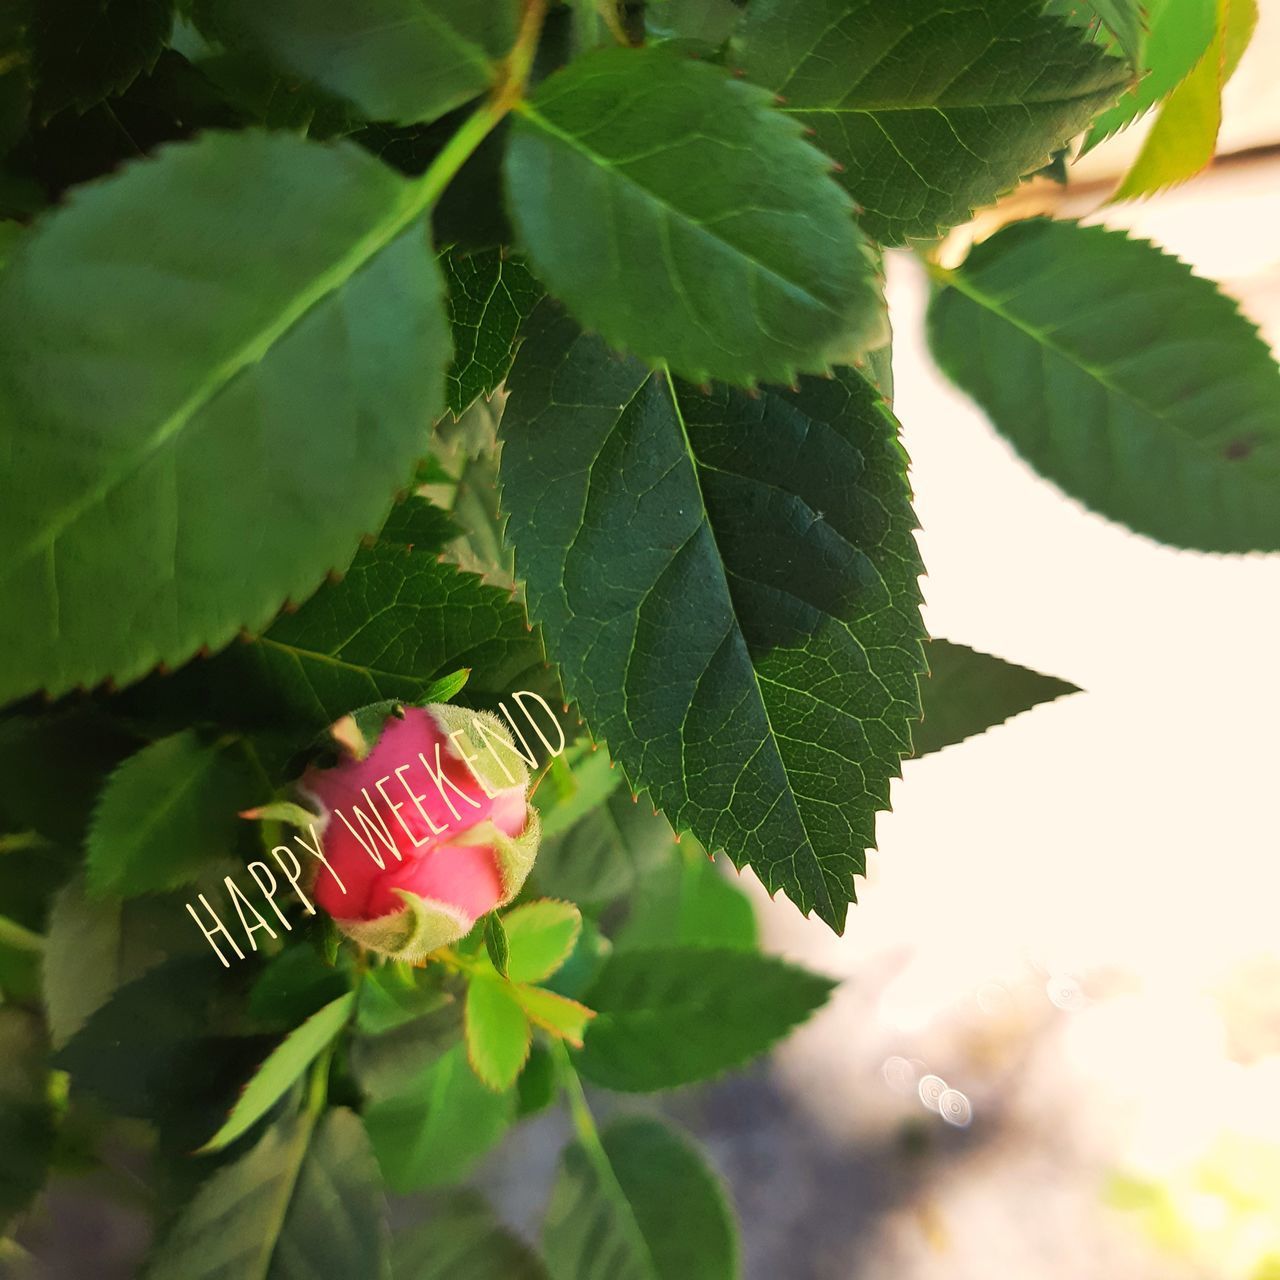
(427, 833)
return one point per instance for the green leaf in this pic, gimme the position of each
(686, 901)
(932, 109)
(490, 294)
(93, 948)
(1130, 382)
(540, 935)
(1185, 135)
(769, 719)
(407, 1027)
(168, 812)
(670, 1016)
(271, 402)
(433, 1132)
(564, 1018)
(642, 1205)
(26, 1120)
(397, 623)
(87, 50)
(1121, 20)
(698, 229)
(600, 856)
(300, 1203)
(495, 942)
(578, 782)
(403, 60)
(1178, 33)
(282, 1070)
(968, 692)
(297, 983)
(463, 1240)
(498, 1034)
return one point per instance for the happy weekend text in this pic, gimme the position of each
(373, 828)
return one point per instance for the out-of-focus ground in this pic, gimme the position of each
(1073, 922)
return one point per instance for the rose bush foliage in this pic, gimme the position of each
(368, 367)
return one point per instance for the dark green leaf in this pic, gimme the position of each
(271, 403)
(642, 1206)
(688, 901)
(969, 691)
(490, 294)
(932, 109)
(87, 50)
(698, 229)
(295, 984)
(433, 1132)
(536, 1088)
(670, 1016)
(26, 1120)
(463, 1240)
(94, 948)
(397, 622)
(403, 60)
(168, 812)
(301, 1203)
(729, 586)
(1122, 377)
(282, 1070)
(407, 1028)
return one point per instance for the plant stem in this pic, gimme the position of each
(584, 1122)
(512, 78)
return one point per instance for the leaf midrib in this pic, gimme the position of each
(823, 896)
(256, 348)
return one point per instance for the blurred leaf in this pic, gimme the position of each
(463, 1240)
(433, 1132)
(1130, 382)
(402, 60)
(1185, 134)
(599, 857)
(294, 985)
(93, 948)
(168, 812)
(672, 240)
(968, 692)
(1178, 33)
(26, 1120)
(275, 406)
(687, 901)
(564, 1018)
(282, 1070)
(1123, 21)
(490, 293)
(394, 995)
(304, 1202)
(86, 50)
(670, 1016)
(641, 1206)
(536, 1089)
(498, 1034)
(397, 623)
(770, 719)
(933, 110)
(540, 936)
